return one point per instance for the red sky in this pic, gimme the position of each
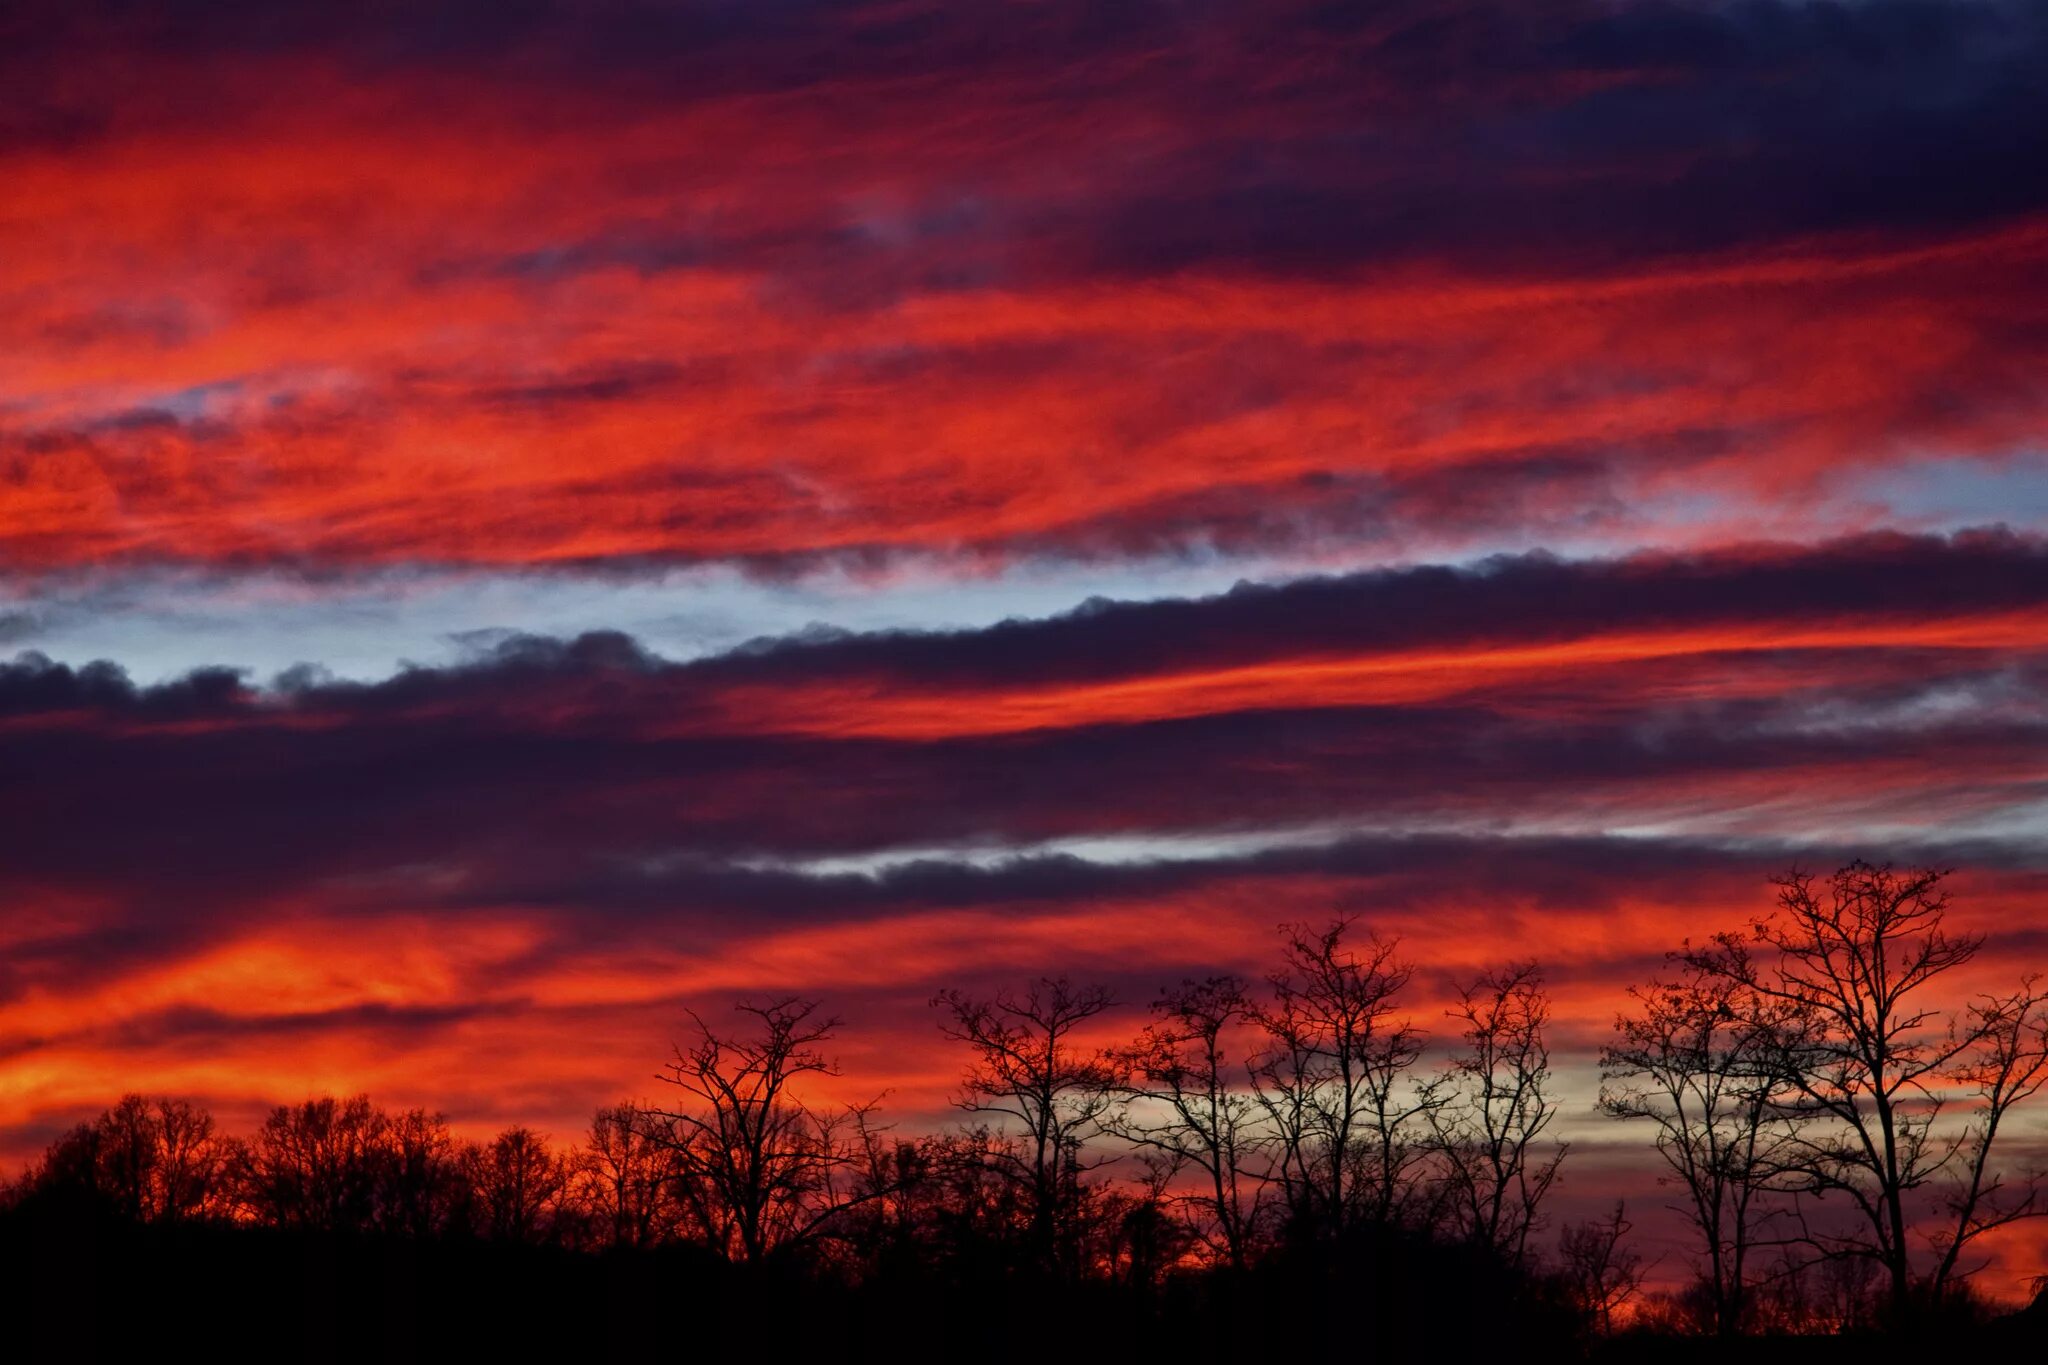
(756, 489)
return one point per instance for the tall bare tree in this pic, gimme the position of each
(1192, 1108)
(1337, 1078)
(1880, 1068)
(1497, 1163)
(1698, 1059)
(2005, 1065)
(1032, 1076)
(765, 1167)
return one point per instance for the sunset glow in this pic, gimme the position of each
(520, 520)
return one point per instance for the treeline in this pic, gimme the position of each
(1827, 1120)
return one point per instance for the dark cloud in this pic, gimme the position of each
(1562, 873)
(1519, 598)
(591, 773)
(201, 1027)
(33, 684)
(1308, 137)
(1750, 123)
(16, 626)
(605, 386)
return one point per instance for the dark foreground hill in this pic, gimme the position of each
(79, 1288)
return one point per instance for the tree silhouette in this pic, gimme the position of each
(1600, 1273)
(1028, 1070)
(1193, 1110)
(1295, 1143)
(763, 1168)
(627, 1177)
(1853, 963)
(320, 1165)
(1336, 1079)
(1699, 1059)
(145, 1160)
(517, 1186)
(1490, 1129)
(424, 1184)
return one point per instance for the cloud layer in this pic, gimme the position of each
(245, 889)
(617, 285)
(1595, 396)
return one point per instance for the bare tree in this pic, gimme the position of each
(130, 1157)
(194, 1162)
(1139, 1240)
(319, 1165)
(145, 1160)
(1029, 1071)
(1336, 1081)
(1192, 1109)
(1807, 1295)
(947, 1200)
(1878, 1067)
(2005, 1064)
(625, 1176)
(1698, 1058)
(1599, 1272)
(764, 1168)
(518, 1185)
(423, 1186)
(1497, 1166)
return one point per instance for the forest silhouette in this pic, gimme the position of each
(1295, 1163)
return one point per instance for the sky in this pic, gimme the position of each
(521, 516)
